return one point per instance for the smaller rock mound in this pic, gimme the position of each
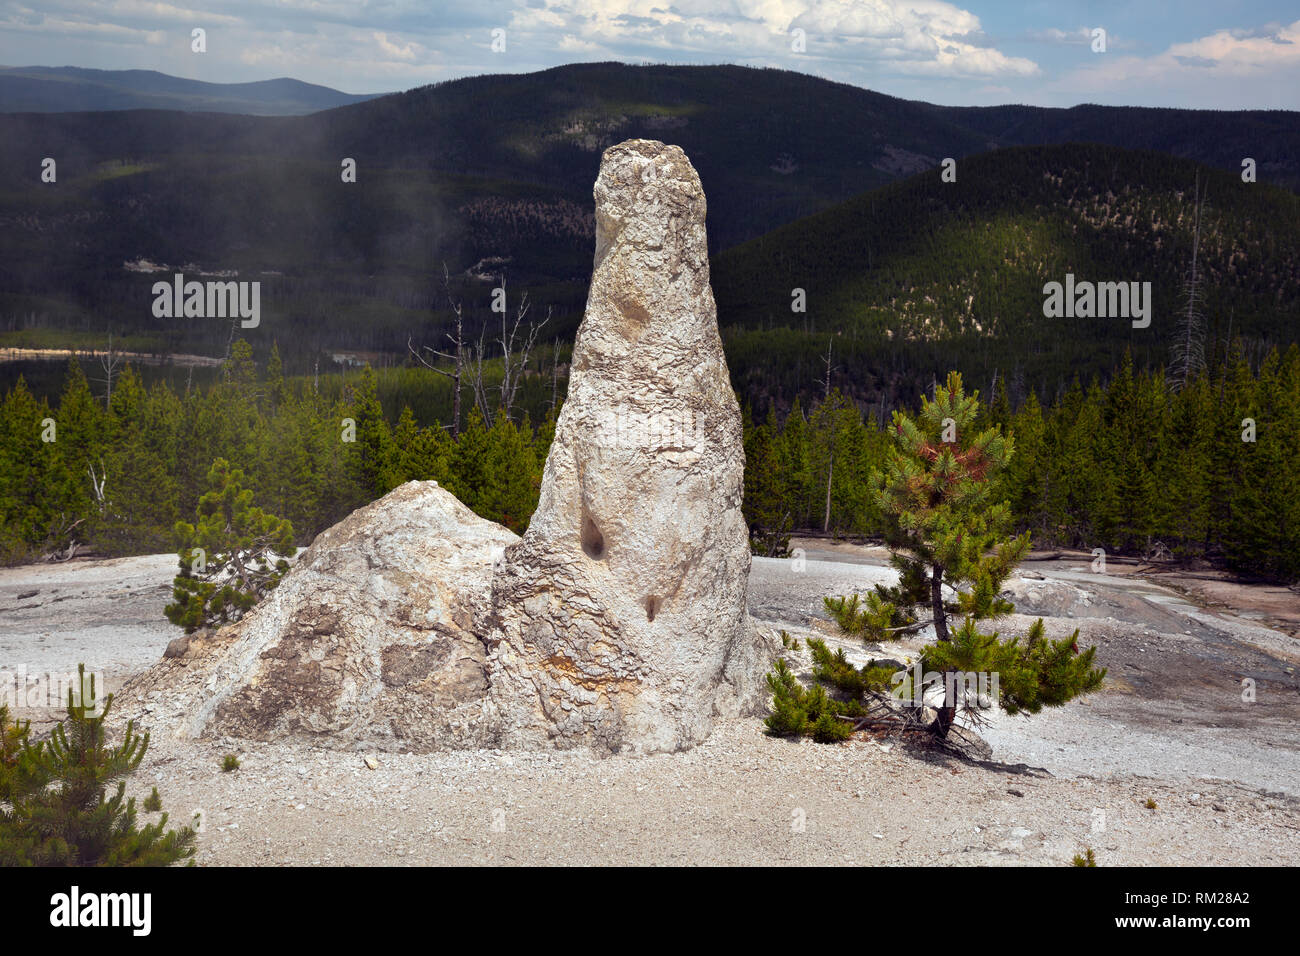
(370, 640)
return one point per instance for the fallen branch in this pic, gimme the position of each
(910, 627)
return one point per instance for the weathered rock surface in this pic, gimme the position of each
(370, 640)
(621, 615)
(619, 621)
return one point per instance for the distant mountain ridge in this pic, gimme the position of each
(70, 89)
(495, 172)
(923, 274)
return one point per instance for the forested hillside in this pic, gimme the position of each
(494, 173)
(1205, 471)
(922, 276)
(849, 277)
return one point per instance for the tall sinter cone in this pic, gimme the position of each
(617, 622)
(621, 617)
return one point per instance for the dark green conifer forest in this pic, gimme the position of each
(1139, 465)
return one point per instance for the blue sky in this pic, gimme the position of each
(1189, 53)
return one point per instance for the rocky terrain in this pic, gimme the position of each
(424, 686)
(1224, 775)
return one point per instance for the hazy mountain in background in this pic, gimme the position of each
(70, 89)
(910, 279)
(495, 172)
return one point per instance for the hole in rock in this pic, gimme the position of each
(593, 542)
(651, 607)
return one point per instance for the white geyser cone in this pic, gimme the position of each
(621, 618)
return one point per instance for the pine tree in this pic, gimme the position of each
(13, 736)
(942, 526)
(767, 493)
(231, 558)
(797, 710)
(1234, 396)
(308, 467)
(140, 492)
(793, 453)
(861, 447)
(944, 529)
(1023, 482)
(21, 513)
(1130, 440)
(837, 439)
(1076, 481)
(423, 454)
(374, 463)
(510, 491)
(66, 482)
(1183, 475)
(405, 434)
(55, 809)
(227, 417)
(342, 478)
(1263, 537)
(469, 475)
(277, 392)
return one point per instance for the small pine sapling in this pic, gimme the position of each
(55, 808)
(798, 711)
(230, 558)
(950, 544)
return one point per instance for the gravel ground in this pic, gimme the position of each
(1169, 726)
(741, 798)
(1172, 703)
(106, 614)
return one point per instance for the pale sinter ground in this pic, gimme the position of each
(1170, 725)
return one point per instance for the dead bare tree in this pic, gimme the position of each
(97, 483)
(517, 340)
(230, 343)
(514, 352)
(477, 385)
(61, 531)
(109, 360)
(826, 379)
(457, 358)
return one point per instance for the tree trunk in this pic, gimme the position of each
(455, 399)
(936, 603)
(830, 472)
(947, 712)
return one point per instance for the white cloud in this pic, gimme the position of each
(1079, 35)
(914, 37)
(1229, 69)
(158, 11)
(1240, 51)
(572, 44)
(394, 62)
(82, 29)
(405, 52)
